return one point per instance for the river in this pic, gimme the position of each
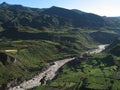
(98, 50)
(51, 72)
(48, 74)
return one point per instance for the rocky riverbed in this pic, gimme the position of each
(50, 73)
(41, 78)
(99, 49)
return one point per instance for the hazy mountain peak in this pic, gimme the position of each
(4, 4)
(55, 7)
(78, 11)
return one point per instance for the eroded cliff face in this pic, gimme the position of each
(7, 62)
(7, 59)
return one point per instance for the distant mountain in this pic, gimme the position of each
(104, 37)
(78, 11)
(32, 37)
(112, 22)
(17, 21)
(115, 17)
(55, 17)
(78, 20)
(17, 16)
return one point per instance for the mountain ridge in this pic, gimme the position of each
(39, 36)
(72, 17)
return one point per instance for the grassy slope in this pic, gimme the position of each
(99, 72)
(34, 54)
(94, 73)
(31, 56)
(50, 45)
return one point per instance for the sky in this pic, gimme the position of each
(100, 7)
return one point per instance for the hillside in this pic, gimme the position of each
(114, 48)
(17, 21)
(94, 72)
(32, 37)
(77, 20)
(22, 59)
(55, 18)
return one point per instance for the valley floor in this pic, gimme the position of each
(49, 74)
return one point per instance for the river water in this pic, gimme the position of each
(99, 49)
(50, 73)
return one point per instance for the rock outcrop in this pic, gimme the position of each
(7, 59)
